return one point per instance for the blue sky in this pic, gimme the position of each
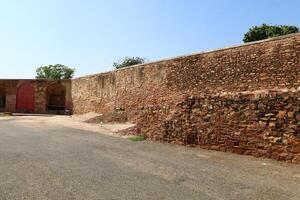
(90, 35)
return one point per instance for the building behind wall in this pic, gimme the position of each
(35, 96)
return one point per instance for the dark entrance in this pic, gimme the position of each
(56, 97)
(25, 98)
(2, 98)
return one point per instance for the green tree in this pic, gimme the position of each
(57, 71)
(129, 61)
(268, 31)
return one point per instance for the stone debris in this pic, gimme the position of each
(117, 116)
(86, 116)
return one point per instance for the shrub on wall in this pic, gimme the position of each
(129, 61)
(268, 31)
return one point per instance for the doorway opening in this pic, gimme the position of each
(56, 97)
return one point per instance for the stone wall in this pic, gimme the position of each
(269, 64)
(240, 119)
(10, 88)
(260, 123)
(126, 89)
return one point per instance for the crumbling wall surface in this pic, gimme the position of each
(260, 123)
(269, 64)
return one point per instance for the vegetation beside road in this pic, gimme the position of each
(137, 138)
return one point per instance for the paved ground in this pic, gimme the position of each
(43, 158)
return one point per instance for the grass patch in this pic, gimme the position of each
(137, 138)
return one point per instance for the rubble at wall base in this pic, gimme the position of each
(261, 123)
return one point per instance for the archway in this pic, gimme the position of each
(2, 98)
(56, 97)
(25, 98)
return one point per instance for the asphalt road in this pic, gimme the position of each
(42, 161)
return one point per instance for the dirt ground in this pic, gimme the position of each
(75, 121)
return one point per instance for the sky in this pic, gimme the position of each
(90, 35)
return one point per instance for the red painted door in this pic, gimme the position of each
(25, 98)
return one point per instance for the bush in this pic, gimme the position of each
(129, 61)
(265, 31)
(57, 71)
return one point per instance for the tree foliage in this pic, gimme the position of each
(268, 31)
(57, 71)
(129, 61)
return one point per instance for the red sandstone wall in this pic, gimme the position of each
(129, 88)
(263, 124)
(268, 64)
